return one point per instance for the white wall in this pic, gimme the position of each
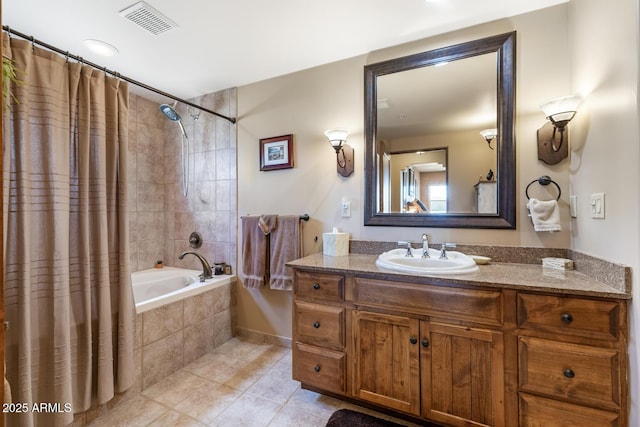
(605, 150)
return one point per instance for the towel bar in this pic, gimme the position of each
(543, 180)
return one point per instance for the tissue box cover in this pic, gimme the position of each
(335, 244)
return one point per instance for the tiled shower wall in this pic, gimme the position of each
(161, 218)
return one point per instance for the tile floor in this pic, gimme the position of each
(241, 383)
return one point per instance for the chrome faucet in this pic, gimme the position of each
(206, 267)
(443, 250)
(425, 246)
(408, 245)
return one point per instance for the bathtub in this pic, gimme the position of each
(161, 286)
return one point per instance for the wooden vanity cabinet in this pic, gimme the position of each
(319, 331)
(463, 356)
(440, 355)
(572, 361)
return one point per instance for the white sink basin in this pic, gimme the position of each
(457, 262)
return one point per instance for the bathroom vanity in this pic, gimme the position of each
(508, 345)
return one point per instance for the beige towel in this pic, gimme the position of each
(254, 253)
(285, 246)
(545, 215)
(268, 223)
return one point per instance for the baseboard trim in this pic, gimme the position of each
(254, 335)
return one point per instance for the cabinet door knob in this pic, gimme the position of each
(316, 368)
(425, 342)
(413, 340)
(316, 325)
(316, 286)
(566, 317)
(569, 373)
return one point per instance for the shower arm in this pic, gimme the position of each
(113, 73)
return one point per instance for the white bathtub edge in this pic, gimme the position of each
(180, 294)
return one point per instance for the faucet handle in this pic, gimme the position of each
(443, 250)
(407, 245)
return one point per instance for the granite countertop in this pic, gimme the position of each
(530, 277)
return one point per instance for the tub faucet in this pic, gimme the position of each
(206, 267)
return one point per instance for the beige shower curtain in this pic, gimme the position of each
(67, 284)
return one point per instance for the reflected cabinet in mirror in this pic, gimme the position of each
(427, 164)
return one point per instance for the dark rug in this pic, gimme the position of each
(349, 418)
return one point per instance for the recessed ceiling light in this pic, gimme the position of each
(101, 48)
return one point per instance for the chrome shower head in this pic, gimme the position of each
(170, 112)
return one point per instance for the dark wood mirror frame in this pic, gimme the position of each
(504, 46)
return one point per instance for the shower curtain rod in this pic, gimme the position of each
(113, 73)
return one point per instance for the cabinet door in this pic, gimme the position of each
(387, 360)
(462, 375)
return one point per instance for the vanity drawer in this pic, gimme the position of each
(565, 315)
(318, 367)
(537, 411)
(320, 325)
(475, 305)
(319, 286)
(577, 373)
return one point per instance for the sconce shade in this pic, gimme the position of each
(489, 135)
(561, 110)
(337, 136)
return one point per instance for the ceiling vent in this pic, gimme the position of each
(148, 18)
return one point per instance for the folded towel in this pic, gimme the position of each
(268, 223)
(285, 246)
(254, 253)
(545, 215)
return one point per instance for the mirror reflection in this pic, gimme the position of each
(418, 110)
(429, 159)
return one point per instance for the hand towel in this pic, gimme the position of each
(285, 246)
(545, 215)
(254, 253)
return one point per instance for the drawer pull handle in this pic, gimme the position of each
(425, 343)
(413, 340)
(566, 317)
(316, 286)
(569, 373)
(316, 368)
(316, 325)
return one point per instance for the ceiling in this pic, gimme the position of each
(221, 44)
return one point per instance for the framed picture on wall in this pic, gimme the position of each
(276, 153)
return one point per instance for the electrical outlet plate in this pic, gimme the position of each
(597, 205)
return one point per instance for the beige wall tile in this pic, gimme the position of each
(162, 322)
(161, 358)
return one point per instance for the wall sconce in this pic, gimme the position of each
(344, 152)
(489, 135)
(553, 137)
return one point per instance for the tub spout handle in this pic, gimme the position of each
(206, 267)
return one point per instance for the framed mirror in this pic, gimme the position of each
(426, 162)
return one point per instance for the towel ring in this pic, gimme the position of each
(543, 180)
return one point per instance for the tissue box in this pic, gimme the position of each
(557, 263)
(335, 244)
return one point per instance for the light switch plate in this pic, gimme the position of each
(597, 205)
